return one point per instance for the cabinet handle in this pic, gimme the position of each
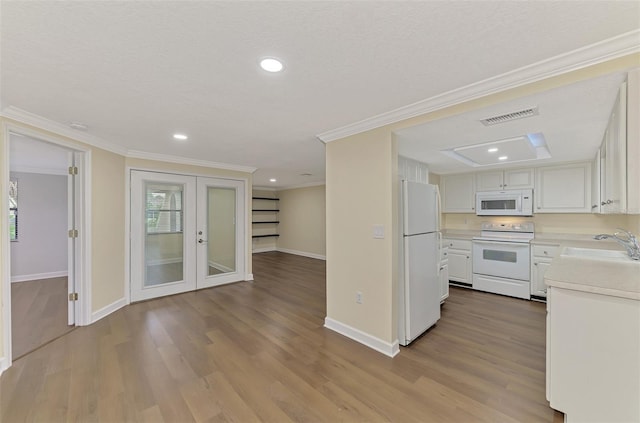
(535, 264)
(545, 253)
(504, 186)
(467, 256)
(594, 206)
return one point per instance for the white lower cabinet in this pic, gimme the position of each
(593, 345)
(459, 260)
(444, 274)
(541, 257)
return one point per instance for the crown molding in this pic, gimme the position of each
(57, 128)
(187, 161)
(612, 48)
(305, 185)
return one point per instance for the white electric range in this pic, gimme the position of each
(501, 259)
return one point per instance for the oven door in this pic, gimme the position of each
(502, 259)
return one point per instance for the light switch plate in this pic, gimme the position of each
(378, 231)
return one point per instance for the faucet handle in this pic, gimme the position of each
(631, 237)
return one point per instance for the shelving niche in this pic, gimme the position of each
(265, 217)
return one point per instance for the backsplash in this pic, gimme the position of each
(571, 223)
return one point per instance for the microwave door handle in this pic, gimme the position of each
(519, 203)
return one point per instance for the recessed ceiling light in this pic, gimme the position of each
(271, 65)
(492, 150)
(180, 137)
(503, 158)
(273, 180)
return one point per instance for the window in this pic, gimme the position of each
(13, 209)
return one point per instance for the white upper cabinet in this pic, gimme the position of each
(458, 193)
(504, 179)
(563, 188)
(613, 158)
(633, 142)
(413, 170)
(618, 188)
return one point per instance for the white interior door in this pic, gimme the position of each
(163, 234)
(221, 232)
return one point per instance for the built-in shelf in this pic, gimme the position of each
(272, 230)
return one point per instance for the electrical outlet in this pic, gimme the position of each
(359, 297)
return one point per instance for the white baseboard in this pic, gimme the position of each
(107, 310)
(38, 276)
(263, 249)
(3, 364)
(221, 267)
(159, 262)
(386, 348)
(302, 253)
(249, 277)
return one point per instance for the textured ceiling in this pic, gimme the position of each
(136, 72)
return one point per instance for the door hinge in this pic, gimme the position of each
(73, 233)
(73, 296)
(73, 170)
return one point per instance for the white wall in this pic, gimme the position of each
(41, 249)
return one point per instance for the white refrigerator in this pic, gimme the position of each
(419, 288)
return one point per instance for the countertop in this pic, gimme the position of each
(613, 278)
(562, 240)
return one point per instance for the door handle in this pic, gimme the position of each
(201, 241)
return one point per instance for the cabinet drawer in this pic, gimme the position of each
(545, 250)
(444, 253)
(457, 244)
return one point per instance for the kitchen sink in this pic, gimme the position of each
(596, 254)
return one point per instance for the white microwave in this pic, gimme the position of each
(514, 202)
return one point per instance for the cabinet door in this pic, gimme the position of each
(595, 184)
(489, 181)
(538, 269)
(460, 266)
(458, 193)
(444, 281)
(563, 189)
(614, 186)
(518, 179)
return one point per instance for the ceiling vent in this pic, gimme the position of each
(521, 114)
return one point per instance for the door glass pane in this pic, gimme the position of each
(221, 230)
(164, 255)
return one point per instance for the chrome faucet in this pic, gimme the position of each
(626, 239)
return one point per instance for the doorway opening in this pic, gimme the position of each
(45, 262)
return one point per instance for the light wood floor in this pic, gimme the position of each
(258, 352)
(38, 313)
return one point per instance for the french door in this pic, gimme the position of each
(187, 233)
